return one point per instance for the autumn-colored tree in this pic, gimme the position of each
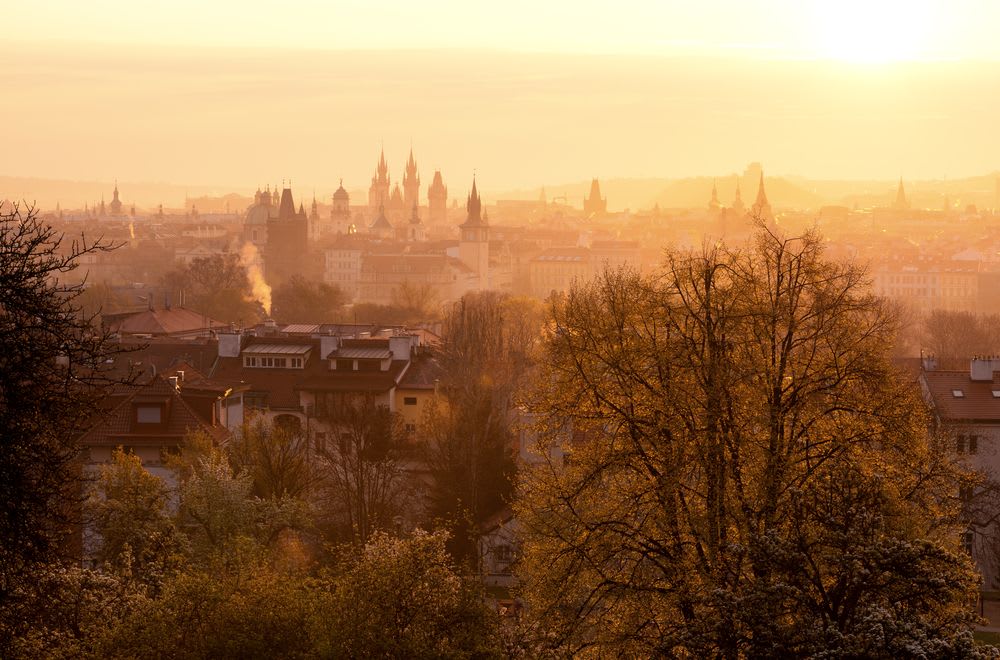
(749, 475)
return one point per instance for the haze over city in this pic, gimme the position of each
(500, 330)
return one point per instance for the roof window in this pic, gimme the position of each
(958, 394)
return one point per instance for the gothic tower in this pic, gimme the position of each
(378, 193)
(901, 203)
(474, 242)
(411, 183)
(437, 201)
(116, 204)
(713, 204)
(595, 205)
(738, 198)
(761, 207)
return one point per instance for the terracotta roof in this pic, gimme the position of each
(423, 374)
(283, 385)
(956, 397)
(119, 426)
(176, 320)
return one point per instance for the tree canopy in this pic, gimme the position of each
(749, 476)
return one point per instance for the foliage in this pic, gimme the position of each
(53, 375)
(219, 511)
(749, 475)
(216, 286)
(299, 300)
(129, 510)
(403, 598)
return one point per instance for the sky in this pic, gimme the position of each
(240, 94)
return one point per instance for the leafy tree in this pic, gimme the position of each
(237, 605)
(299, 300)
(219, 511)
(216, 286)
(129, 508)
(53, 376)
(363, 485)
(403, 598)
(749, 475)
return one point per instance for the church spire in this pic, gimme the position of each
(474, 206)
(714, 202)
(738, 198)
(761, 195)
(901, 201)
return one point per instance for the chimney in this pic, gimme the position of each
(928, 363)
(229, 344)
(400, 347)
(981, 368)
(328, 344)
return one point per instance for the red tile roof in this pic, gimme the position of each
(176, 320)
(118, 427)
(976, 403)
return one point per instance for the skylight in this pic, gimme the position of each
(958, 394)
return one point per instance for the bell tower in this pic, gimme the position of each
(474, 241)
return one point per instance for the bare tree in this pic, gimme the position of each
(363, 482)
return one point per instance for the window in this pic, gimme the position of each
(958, 394)
(967, 538)
(345, 365)
(296, 363)
(965, 493)
(973, 444)
(411, 429)
(504, 552)
(409, 400)
(250, 361)
(147, 414)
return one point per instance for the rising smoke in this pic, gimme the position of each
(250, 258)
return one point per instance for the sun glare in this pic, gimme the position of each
(873, 31)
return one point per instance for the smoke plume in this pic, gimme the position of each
(258, 285)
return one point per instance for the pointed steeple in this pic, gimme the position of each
(474, 206)
(901, 203)
(383, 167)
(738, 198)
(761, 207)
(761, 195)
(713, 203)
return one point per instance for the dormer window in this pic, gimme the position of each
(148, 414)
(996, 394)
(958, 394)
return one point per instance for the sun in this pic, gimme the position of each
(872, 31)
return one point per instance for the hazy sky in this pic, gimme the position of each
(240, 94)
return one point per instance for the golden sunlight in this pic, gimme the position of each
(873, 31)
